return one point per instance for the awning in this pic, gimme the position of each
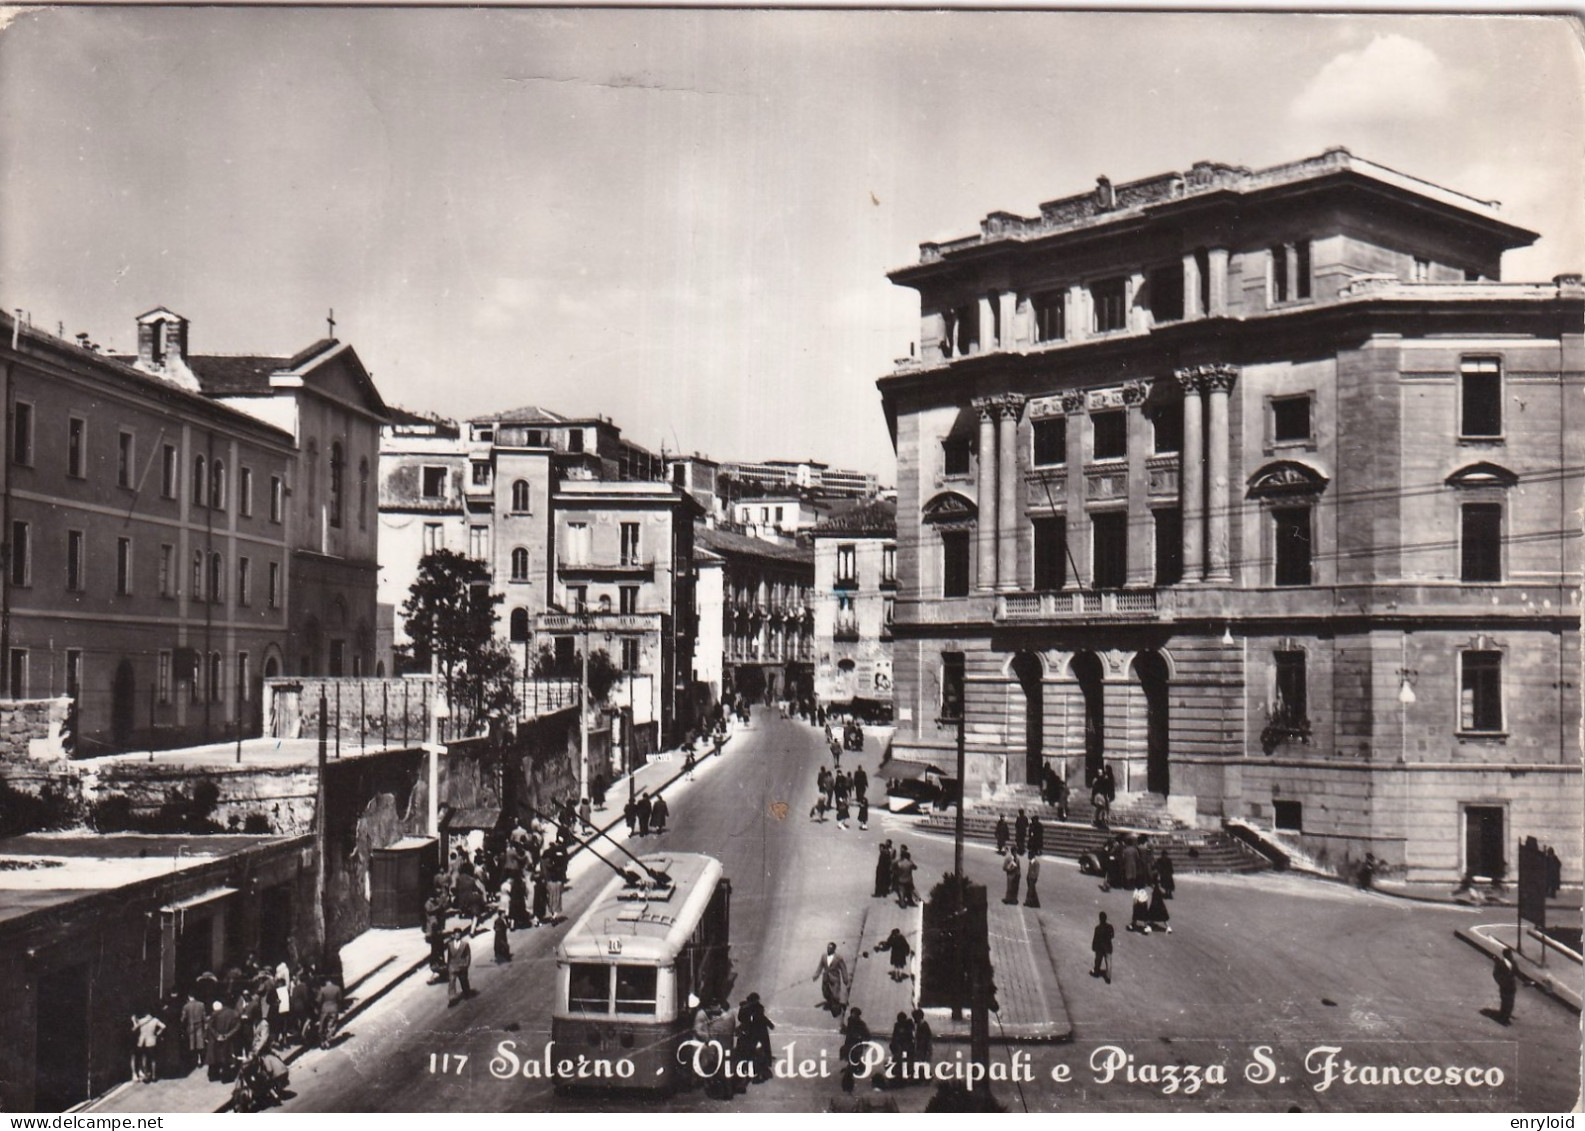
(901, 769)
(214, 895)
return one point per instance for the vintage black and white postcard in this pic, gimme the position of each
(782, 560)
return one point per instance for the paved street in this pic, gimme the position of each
(1257, 971)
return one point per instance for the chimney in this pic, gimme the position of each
(1105, 195)
(162, 347)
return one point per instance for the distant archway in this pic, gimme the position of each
(1088, 670)
(123, 704)
(1151, 670)
(1030, 673)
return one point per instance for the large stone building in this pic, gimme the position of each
(179, 527)
(767, 615)
(581, 532)
(1260, 487)
(855, 605)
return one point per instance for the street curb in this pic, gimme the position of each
(1538, 977)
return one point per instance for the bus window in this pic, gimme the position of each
(635, 989)
(588, 988)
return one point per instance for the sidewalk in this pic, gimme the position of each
(1560, 977)
(377, 960)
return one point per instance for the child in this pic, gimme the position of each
(503, 944)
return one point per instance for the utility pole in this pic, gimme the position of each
(321, 822)
(432, 743)
(583, 715)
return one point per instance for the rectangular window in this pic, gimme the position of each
(479, 543)
(434, 482)
(1109, 538)
(578, 598)
(170, 471)
(277, 499)
(1051, 553)
(126, 459)
(630, 654)
(17, 673)
(1292, 549)
(167, 570)
(1480, 398)
(434, 537)
(1290, 419)
(197, 589)
(1422, 270)
(275, 585)
(1482, 542)
(22, 434)
(1169, 546)
(888, 565)
(123, 566)
(627, 599)
(244, 581)
(1279, 274)
(164, 677)
(888, 611)
(1166, 294)
(1109, 434)
(955, 455)
(588, 988)
(955, 563)
(1288, 815)
(952, 685)
(847, 567)
(77, 447)
(245, 492)
(244, 676)
(1301, 271)
(217, 579)
(74, 561)
(74, 672)
(630, 548)
(21, 548)
(1480, 697)
(1051, 316)
(1050, 436)
(1166, 426)
(216, 678)
(481, 474)
(577, 543)
(1109, 297)
(575, 441)
(636, 989)
(1291, 705)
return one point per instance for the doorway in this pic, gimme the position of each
(61, 1044)
(1151, 670)
(1030, 672)
(123, 703)
(1087, 670)
(1483, 842)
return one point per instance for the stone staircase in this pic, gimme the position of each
(1192, 849)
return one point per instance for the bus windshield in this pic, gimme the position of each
(635, 989)
(588, 988)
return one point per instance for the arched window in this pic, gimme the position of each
(217, 485)
(519, 564)
(337, 478)
(198, 575)
(520, 496)
(519, 624)
(363, 493)
(200, 476)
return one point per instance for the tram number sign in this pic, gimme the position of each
(613, 946)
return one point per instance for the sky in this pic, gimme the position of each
(683, 219)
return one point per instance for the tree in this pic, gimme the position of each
(450, 614)
(603, 672)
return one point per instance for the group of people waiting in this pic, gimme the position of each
(911, 1040)
(229, 1021)
(894, 875)
(840, 793)
(745, 1038)
(1127, 863)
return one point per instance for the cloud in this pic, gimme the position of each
(1392, 78)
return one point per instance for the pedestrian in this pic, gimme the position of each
(646, 809)
(1131, 864)
(435, 927)
(146, 1030)
(832, 974)
(541, 908)
(517, 902)
(864, 812)
(861, 783)
(1164, 876)
(555, 881)
(1156, 915)
(902, 1047)
(1032, 898)
(223, 1058)
(1002, 834)
(1139, 919)
(1109, 785)
(630, 815)
(193, 1015)
(303, 1004)
(1367, 872)
(1020, 833)
(903, 869)
(883, 870)
(753, 1033)
(330, 1007)
(658, 812)
(459, 956)
(597, 788)
(584, 813)
(1048, 784)
(900, 952)
(1012, 870)
(855, 1034)
(1505, 972)
(1061, 795)
(1100, 804)
(1037, 837)
(924, 1039)
(503, 938)
(1101, 945)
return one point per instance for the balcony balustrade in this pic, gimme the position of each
(1053, 605)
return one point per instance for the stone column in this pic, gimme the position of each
(987, 335)
(1218, 382)
(1141, 562)
(1218, 287)
(985, 531)
(1191, 478)
(1007, 527)
(1191, 287)
(1009, 317)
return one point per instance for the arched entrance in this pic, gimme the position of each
(123, 703)
(1030, 673)
(1152, 673)
(1090, 674)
